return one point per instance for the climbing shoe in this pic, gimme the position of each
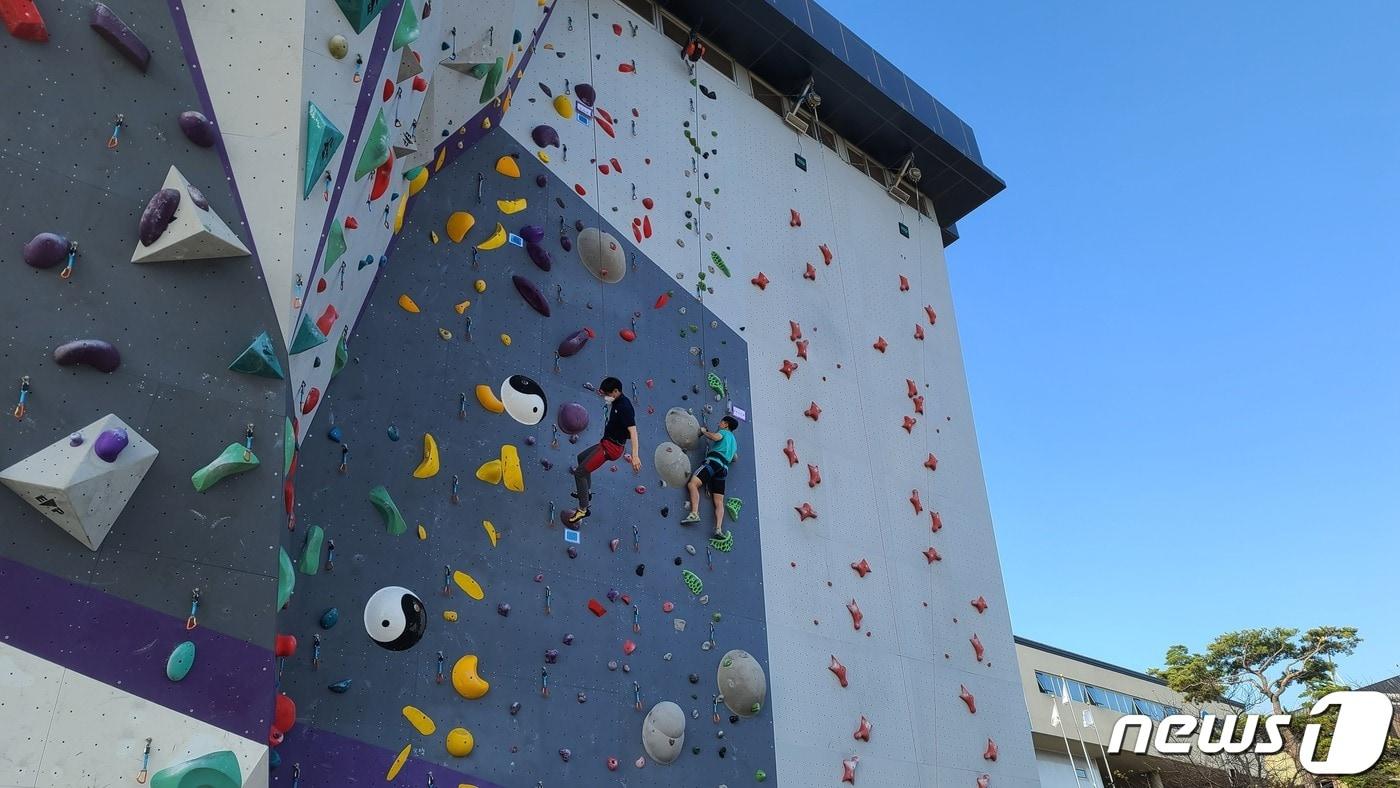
(723, 543)
(693, 517)
(576, 517)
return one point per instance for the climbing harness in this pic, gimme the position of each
(145, 763)
(330, 555)
(359, 64)
(115, 140)
(67, 272)
(315, 651)
(248, 444)
(193, 621)
(440, 660)
(21, 407)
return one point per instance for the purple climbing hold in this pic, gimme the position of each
(532, 233)
(539, 256)
(96, 353)
(116, 32)
(612, 594)
(551, 656)
(568, 639)
(531, 294)
(573, 343)
(565, 754)
(578, 225)
(46, 250)
(76, 439)
(503, 609)
(197, 197)
(545, 136)
(109, 444)
(546, 463)
(566, 243)
(198, 128)
(159, 213)
(541, 181)
(573, 418)
(586, 93)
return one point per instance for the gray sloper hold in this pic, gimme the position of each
(602, 255)
(742, 683)
(672, 464)
(663, 732)
(682, 427)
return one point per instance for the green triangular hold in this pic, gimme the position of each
(213, 770)
(723, 543)
(233, 460)
(479, 70)
(335, 246)
(393, 521)
(407, 31)
(715, 383)
(376, 147)
(308, 336)
(322, 141)
(360, 12)
(259, 359)
(342, 356)
(289, 446)
(692, 581)
(286, 578)
(493, 80)
(310, 562)
(733, 505)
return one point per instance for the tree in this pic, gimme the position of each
(1254, 666)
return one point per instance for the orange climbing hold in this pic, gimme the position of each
(977, 649)
(813, 412)
(856, 615)
(327, 319)
(981, 604)
(794, 330)
(848, 769)
(791, 452)
(582, 192)
(811, 273)
(646, 226)
(605, 124)
(23, 21)
(837, 668)
(932, 462)
(862, 567)
(909, 422)
(967, 698)
(991, 752)
(880, 344)
(794, 218)
(932, 316)
(917, 504)
(918, 404)
(932, 555)
(903, 283)
(801, 348)
(984, 781)
(351, 223)
(935, 522)
(913, 389)
(805, 512)
(627, 334)
(788, 368)
(826, 254)
(760, 281)
(814, 476)
(648, 203)
(863, 730)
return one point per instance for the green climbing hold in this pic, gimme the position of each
(719, 263)
(493, 80)
(310, 562)
(760, 775)
(376, 147)
(412, 175)
(716, 383)
(723, 543)
(360, 12)
(407, 31)
(181, 661)
(342, 356)
(393, 521)
(335, 246)
(289, 446)
(213, 770)
(322, 141)
(308, 336)
(259, 359)
(479, 70)
(692, 581)
(286, 578)
(233, 460)
(733, 505)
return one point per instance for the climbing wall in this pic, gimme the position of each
(88, 633)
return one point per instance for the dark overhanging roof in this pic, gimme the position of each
(865, 98)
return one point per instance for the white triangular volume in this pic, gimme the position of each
(82, 493)
(196, 232)
(466, 57)
(426, 134)
(409, 65)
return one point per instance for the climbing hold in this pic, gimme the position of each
(814, 476)
(340, 687)
(692, 581)
(417, 179)
(198, 128)
(990, 753)
(903, 283)
(813, 412)
(837, 669)
(880, 344)
(465, 679)
(572, 418)
(449, 616)
(400, 760)
(46, 250)
(545, 136)
(236, 458)
(672, 464)
(260, 358)
(286, 578)
(96, 353)
(180, 662)
(932, 316)
(327, 319)
(308, 336)
(508, 166)
(716, 384)
(909, 422)
(468, 585)
(511, 206)
(981, 604)
(563, 106)
(395, 618)
(788, 368)
(393, 433)
(760, 281)
(916, 503)
(408, 304)
(810, 274)
(732, 505)
(461, 307)
(977, 649)
(330, 618)
(408, 28)
(496, 240)
(312, 397)
(110, 443)
(932, 555)
(863, 729)
(338, 46)
(826, 253)
(490, 471)
(384, 504)
(458, 225)
(935, 522)
(375, 148)
(862, 567)
(856, 615)
(586, 93)
(114, 31)
(918, 404)
(931, 463)
(627, 335)
(335, 246)
(531, 293)
(967, 698)
(158, 214)
(573, 343)
(682, 428)
(487, 398)
(491, 532)
(428, 468)
(602, 255)
(211, 770)
(791, 451)
(460, 742)
(511, 475)
(663, 732)
(805, 512)
(420, 721)
(742, 683)
(848, 769)
(23, 20)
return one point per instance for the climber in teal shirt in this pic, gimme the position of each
(714, 471)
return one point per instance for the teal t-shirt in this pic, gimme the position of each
(725, 448)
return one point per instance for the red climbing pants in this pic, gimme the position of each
(590, 460)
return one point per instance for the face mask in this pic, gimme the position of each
(609, 398)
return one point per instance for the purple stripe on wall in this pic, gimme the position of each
(126, 645)
(329, 760)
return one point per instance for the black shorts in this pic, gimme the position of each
(712, 476)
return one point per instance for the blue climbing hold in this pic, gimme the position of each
(340, 687)
(308, 336)
(334, 433)
(259, 359)
(330, 618)
(393, 433)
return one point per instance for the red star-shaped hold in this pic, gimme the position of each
(967, 698)
(848, 769)
(936, 523)
(932, 555)
(856, 615)
(826, 254)
(801, 348)
(805, 512)
(787, 368)
(880, 344)
(795, 220)
(981, 604)
(811, 273)
(913, 388)
(862, 567)
(991, 752)
(918, 332)
(813, 412)
(760, 281)
(791, 451)
(909, 422)
(977, 648)
(794, 330)
(814, 476)
(918, 404)
(863, 730)
(984, 781)
(838, 669)
(903, 283)
(931, 463)
(916, 503)
(932, 316)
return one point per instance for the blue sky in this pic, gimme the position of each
(1180, 319)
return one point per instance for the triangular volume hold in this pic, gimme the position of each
(360, 12)
(464, 58)
(308, 336)
(375, 148)
(191, 230)
(84, 481)
(408, 28)
(322, 141)
(259, 359)
(410, 65)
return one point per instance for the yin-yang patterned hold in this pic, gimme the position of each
(395, 618)
(524, 400)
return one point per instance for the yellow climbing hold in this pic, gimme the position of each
(510, 469)
(497, 239)
(462, 307)
(488, 399)
(428, 468)
(511, 206)
(399, 212)
(420, 721)
(445, 334)
(441, 160)
(510, 62)
(422, 533)
(480, 285)
(490, 472)
(466, 681)
(490, 531)
(458, 225)
(468, 585)
(408, 304)
(418, 181)
(486, 122)
(449, 615)
(398, 762)
(505, 339)
(544, 157)
(507, 166)
(460, 742)
(564, 107)
(433, 236)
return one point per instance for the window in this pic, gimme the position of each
(1108, 699)
(643, 8)
(826, 135)
(767, 96)
(719, 62)
(858, 160)
(673, 30)
(1047, 683)
(1151, 708)
(1051, 684)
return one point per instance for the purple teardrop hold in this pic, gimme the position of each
(539, 256)
(159, 213)
(46, 250)
(573, 343)
(96, 353)
(573, 418)
(545, 136)
(586, 93)
(114, 31)
(531, 294)
(566, 243)
(197, 197)
(109, 444)
(532, 233)
(198, 128)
